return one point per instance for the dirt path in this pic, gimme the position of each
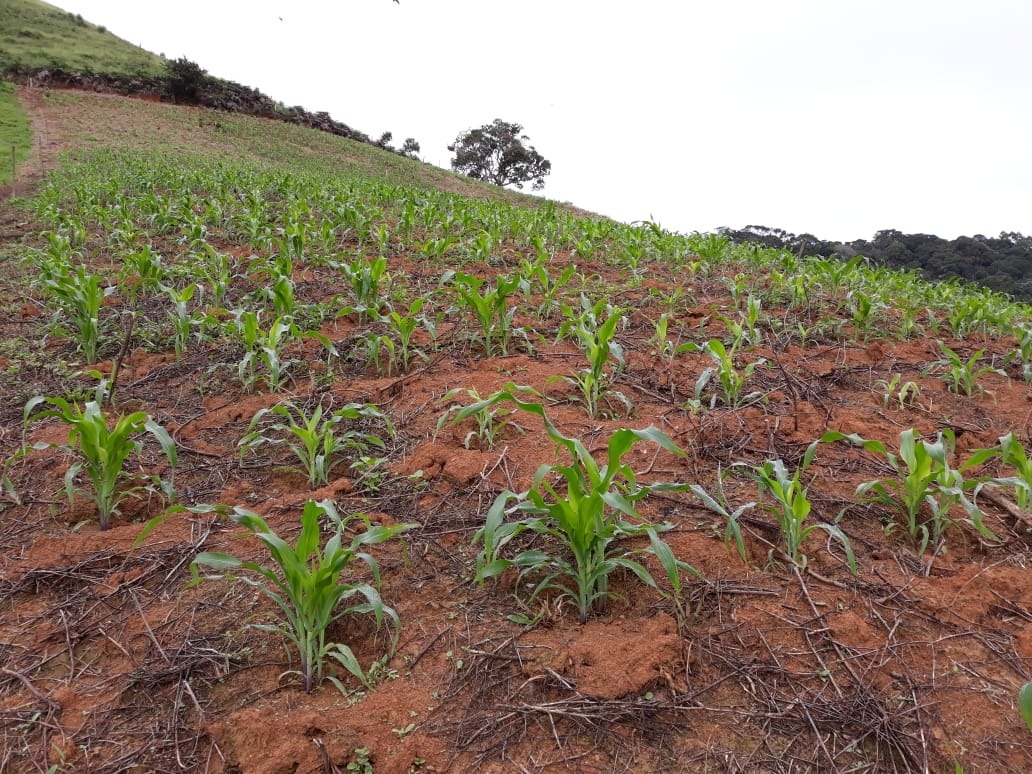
(46, 143)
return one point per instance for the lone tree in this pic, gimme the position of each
(497, 153)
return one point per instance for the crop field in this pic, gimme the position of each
(314, 461)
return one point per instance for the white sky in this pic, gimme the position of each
(833, 117)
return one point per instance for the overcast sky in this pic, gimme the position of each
(834, 117)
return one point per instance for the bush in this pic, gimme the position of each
(184, 78)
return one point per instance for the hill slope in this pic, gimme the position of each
(37, 35)
(14, 132)
(84, 122)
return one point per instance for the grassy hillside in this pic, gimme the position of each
(37, 35)
(14, 131)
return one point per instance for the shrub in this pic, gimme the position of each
(184, 78)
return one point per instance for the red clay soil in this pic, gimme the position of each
(108, 662)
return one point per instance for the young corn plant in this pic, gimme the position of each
(720, 506)
(262, 347)
(1025, 352)
(745, 330)
(490, 305)
(594, 329)
(582, 517)
(1025, 704)
(79, 298)
(663, 346)
(142, 269)
(536, 278)
(402, 325)
(791, 506)
(731, 380)
(961, 375)
(863, 309)
(896, 391)
(310, 587)
(102, 446)
(381, 352)
(491, 423)
(925, 489)
(280, 291)
(214, 270)
(1012, 454)
(182, 320)
(316, 440)
(365, 278)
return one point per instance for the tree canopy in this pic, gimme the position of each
(1001, 263)
(499, 153)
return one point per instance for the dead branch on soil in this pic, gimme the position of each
(502, 707)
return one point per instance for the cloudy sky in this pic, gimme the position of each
(834, 117)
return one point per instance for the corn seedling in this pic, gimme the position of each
(924, 490)
(434, 249)
(580, 522)
(142, 269)
(491, 422)
(710, 247)
(489, 304)
(731, 380)
(662, 345)
(402, 326)
(262, 346)
(182, 320)
(1025, 704)
(365, 277)
(79, 297)
(896, 391)
(961, 375)
(381, 352)
(907, 326)
(863, 309)
(316, 440)
(281, 293)
(535, 277)
(308, 584)
(594, 329)
(720, 506)
(213, 270)
(745, 330)
(1011, 453)
(1025, 352)
(102, 450)
(791, 506)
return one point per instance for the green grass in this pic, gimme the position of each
(14, 131)
(37, 35)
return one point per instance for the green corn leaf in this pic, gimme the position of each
(1025, 704)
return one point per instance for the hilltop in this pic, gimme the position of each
(618, 498)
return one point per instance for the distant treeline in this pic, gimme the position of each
(1002, 263)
